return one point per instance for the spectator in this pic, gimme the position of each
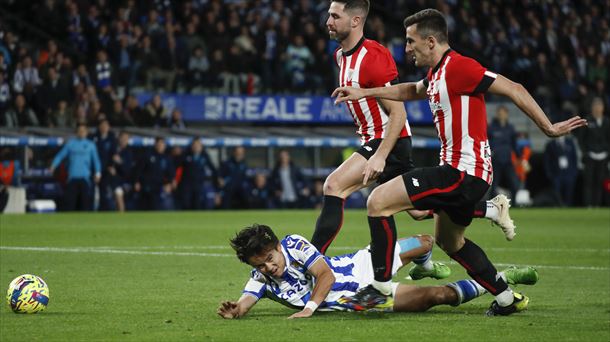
(5, 95)
(316, 196)
(106, 144)
(288, 183)
(259, 196)
(154, 113)
(134, 111)
(154, 178)
(81, 76)
(82, 156)
(52, 91)
(121, 171)
(198, 173)
(175, 120)
(103, 71)
(595, 145)
(20, 115)
(119, 116)
(234, 181)
(298, 59)
(198, 68)
(26, 79)
(62, 116)
(503, 142)
(560, 165)
(126, 64)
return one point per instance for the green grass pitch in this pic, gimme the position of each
(160, 277)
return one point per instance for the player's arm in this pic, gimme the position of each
(324, 282)
(522, 98)
(232, 310)
(375, 165)
(399, 92)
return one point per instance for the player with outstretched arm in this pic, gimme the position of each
(386, 150)
(455, 86)
(292, 272)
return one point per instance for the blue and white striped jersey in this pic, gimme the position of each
(294, 288)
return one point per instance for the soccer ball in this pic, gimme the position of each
(27, 294)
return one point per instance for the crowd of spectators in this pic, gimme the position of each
(70, 62)
(82, 57)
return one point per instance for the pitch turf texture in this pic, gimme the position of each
(160, 277)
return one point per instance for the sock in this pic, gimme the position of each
(467, 290)
(505, 298)
(383, 244)
(385, 287)
(478, 266)
(480, 209)
(329, 223)
(424, 261)
(492, 211)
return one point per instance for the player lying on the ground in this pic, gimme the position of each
(292, 272)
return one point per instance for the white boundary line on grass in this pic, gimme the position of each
(119, 251)
(344, 248)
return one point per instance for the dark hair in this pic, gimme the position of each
(252, 241)
(362, 5)
(430, 22)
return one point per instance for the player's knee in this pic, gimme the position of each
(374, 204)
(427, 241)
(331, 186)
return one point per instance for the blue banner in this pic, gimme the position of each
(272, 109)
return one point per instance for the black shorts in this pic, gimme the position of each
(398, 161)
(445, 188)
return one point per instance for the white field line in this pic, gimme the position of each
(343, 248)
(167, 253)
(109, 251)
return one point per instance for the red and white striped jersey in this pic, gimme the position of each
(368, 65)
(455, 90)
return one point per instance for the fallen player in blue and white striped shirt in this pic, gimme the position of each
(293, 272)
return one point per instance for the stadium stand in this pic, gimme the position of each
(69, 61)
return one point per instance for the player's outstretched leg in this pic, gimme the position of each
(496, 210)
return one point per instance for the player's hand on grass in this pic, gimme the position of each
(228, 310)
(307, 312)
(564, 127)
(373, 168)
(343, 94)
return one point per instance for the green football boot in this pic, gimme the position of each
(521, 275)
(438, 271)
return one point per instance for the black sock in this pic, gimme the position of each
(478, 266)
(480, 209)
(329, 223)
(383, 244)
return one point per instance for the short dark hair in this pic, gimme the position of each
(362, 5)
(430, 22)
(252, 241)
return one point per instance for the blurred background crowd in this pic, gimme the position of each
(71, 62)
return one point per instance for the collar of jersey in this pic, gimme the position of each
(441, 61)
(355, 48)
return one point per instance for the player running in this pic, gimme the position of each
(382, 125)
(455, 87)
(292, 272)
